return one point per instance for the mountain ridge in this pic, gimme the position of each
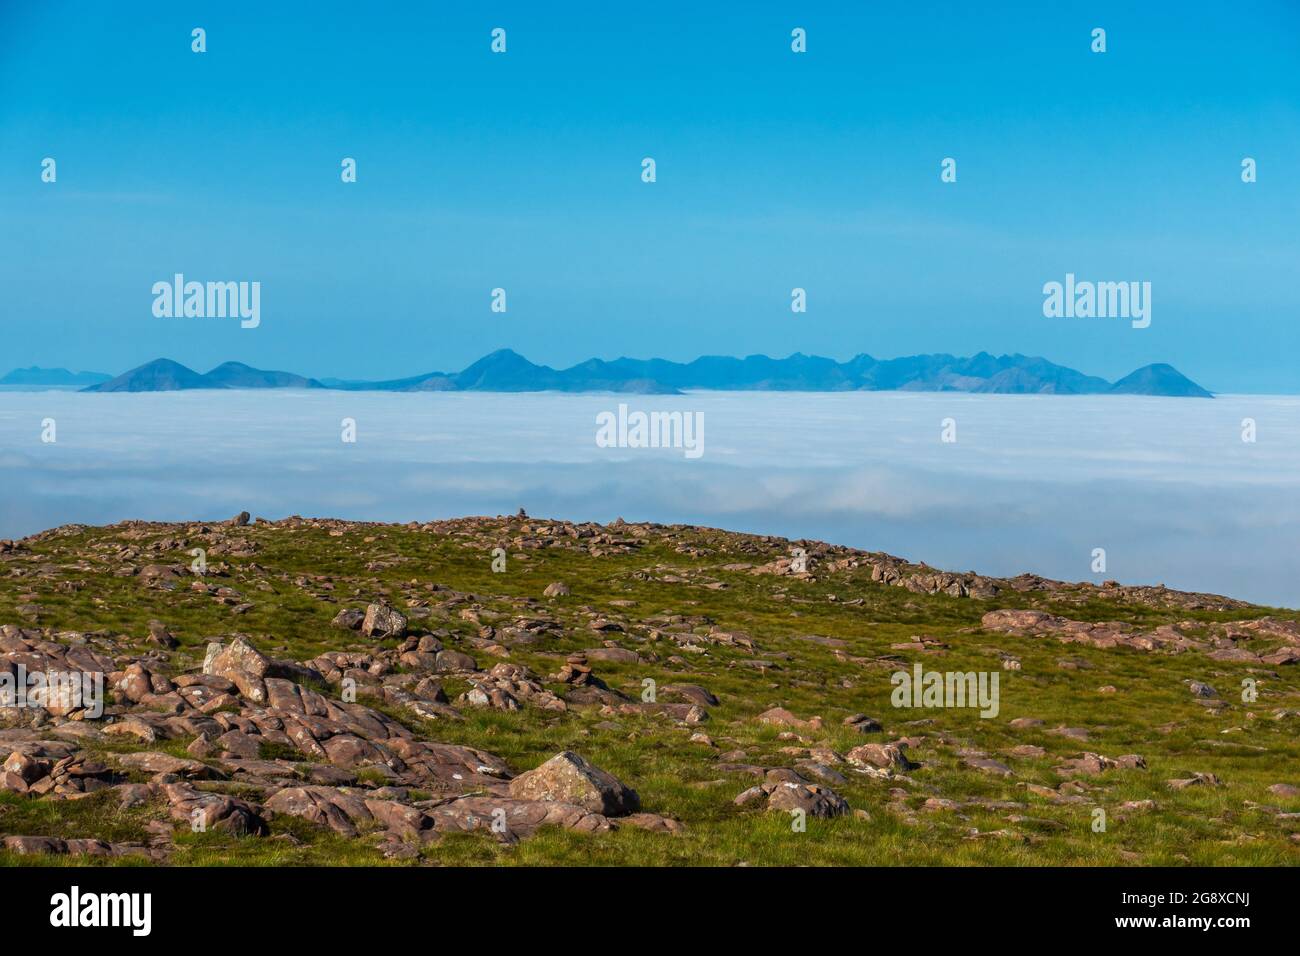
(165, 375)
(34, 375)
(507, 371)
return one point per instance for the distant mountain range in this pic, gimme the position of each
(53, 377)
(507, 371)
(164, 375)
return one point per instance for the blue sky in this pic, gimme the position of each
(775, 170)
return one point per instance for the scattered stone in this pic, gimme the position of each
(863, 724)
(1074, 733)
(989, 765)
(795, 793)
(781, 717)
(160, 635)
(1027, 750)
(452, 661)
(690, 692)
(652, 822)
(349, 619)
(265, 736)
(1093, 765)
(616, 655)
(1195, 780)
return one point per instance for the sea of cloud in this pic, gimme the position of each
(1032, 483)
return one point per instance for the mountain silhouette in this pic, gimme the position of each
(508, 371)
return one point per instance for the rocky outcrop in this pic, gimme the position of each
(1105, 634)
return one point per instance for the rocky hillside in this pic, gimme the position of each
(514, 690)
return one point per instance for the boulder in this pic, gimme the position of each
(454, 661)
(26, 768)
(510, 818)
(160, 635)
(343, 812)
(349, 619)
(781, 717)
(240, 663)
(691, 692)
(811, 798)
(652, 822)
(157, 762)
(881, 756)
(133, 727)
(134, 684)
(614, 655)
(988, 765)
(382, 621)
(567, 778)
(863, 724)
(34, 845)
(213, 811)
(1283, 655)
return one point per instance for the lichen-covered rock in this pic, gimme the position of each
(382, 622)
(881, 756)
(567, 778)
(241, 664)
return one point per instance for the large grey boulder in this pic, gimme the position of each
(383, 621)
(567, 778)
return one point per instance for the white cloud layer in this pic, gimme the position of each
(1033, 483)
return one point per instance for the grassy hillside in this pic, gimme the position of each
(719, 611)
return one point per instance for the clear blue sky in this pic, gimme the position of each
(775, 170)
